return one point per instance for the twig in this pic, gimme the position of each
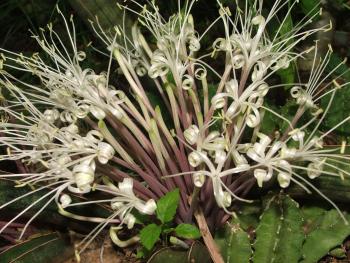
(207, 237)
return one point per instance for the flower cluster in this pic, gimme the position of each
(76, 133)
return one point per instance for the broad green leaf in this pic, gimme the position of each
(234, 243)
(330, 233)
(167, 206)
(51, 247)
(279, 235)
(149, 235)
(187, 231)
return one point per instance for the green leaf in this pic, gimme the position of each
(187, 231)
(331, 232)
(51, 247)
(279, 235)
(167, 205)
(234, 243)
(149, 235)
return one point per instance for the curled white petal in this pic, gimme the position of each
(84, 176)
(191, 134)
(262, 175)
(147, 208)
(198, 179)
(126, 186)
(283, 179)
(65, 200)
(218, 101)
(188, 82)
(51, 115)
(195, 158)
(220, 156)
(105, 152)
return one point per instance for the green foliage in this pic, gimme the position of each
(50, 247)
(167, 206)
(234, 243)
(329, 233)
(149, 235)
(279, 234)
(196, 253)
(284, 231)
(187, 231)
(166, 210)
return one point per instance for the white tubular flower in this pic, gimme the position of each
(238, 158)
(259, 148)
(65, 200)
(188, 82)
(315, 168)
(297, 135)
(223, 198)
(238, 61)
(232, 87)
(222, 44)
(253, 119)
(148, 208)
(285, 174)
(126, 200)
(126, 186)
(220, 156)
(212, 136)
(282, 63)
(287, 152)
(105, 152)
(84, 176)
(302, 97)
(218, 101)
(262, 175)
(283, 179)
(51, 115)
(195, 158)
(198, 179)
(191, 134)
(159, 65)
(129, 220)
(259, 71)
